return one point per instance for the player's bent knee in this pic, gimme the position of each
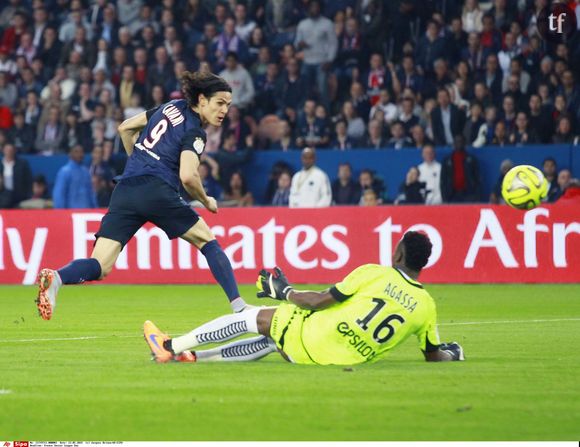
(199, 235)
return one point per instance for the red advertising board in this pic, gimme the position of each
(471, 244)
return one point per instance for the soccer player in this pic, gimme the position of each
(164, 147)
(368, 313)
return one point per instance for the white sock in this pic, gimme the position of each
(238, 304)
(238, 351)
(218, 330)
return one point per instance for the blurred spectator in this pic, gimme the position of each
(16, 174)
(551, 173)
(277, 169)
(412, 190)
(500, 135)
(128, 87)
(407, 115)
(508, 112)
(495, 196)
(359, 99)
(244, 25)
(523, 133)
(492, 77)
(208, 169)
(345, 191)
(230, 157)
(40, 196)
(540, 119)
(22, 135)
(430, 47)
(160, 71)
(369, 198)
(349, 55)
(228, 42)
(447, 120)
(238, 127)
(74, 133)
(419, 138)
(73, 185)
(286, 140)
(103, 190)
(564, 179)
(240, 80)
(99, 166)
(472, 17)
(430, 173)
(267, 88)
(282, 194)
(236, 193)
(341, 139)
(564, 132)
(374, 139)
(474, 54)
(310, 186)
(5, 195)
(311, 130)
(367, 180)
(292, 91)
(355, 126)
(8, 91)
(460, 180)
(376, 78)
(317, 41)
(398, 138)
(473, 125)
(390, 111)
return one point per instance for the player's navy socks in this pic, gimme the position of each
(80, 270)
(221, 268)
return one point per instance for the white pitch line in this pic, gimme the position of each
(464, 323)
(5, 392)
(93, 337)
(473, 323)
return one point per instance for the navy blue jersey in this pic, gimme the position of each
(173, 127)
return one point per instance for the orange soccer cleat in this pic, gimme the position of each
(155, 338)
(48, 284)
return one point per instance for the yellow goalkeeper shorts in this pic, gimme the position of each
(286, 331)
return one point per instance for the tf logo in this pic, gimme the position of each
(7, 444)
(557, 22)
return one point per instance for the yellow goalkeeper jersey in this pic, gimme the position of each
(380, 307)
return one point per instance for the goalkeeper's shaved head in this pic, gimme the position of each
(416, 249)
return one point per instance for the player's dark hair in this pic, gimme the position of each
(417, 250)
(201, 83)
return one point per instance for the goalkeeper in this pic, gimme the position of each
(368, 313)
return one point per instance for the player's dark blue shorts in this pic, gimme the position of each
(137, 200)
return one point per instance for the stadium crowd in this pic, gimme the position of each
(341, 74)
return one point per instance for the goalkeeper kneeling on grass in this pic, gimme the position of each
(368, 313)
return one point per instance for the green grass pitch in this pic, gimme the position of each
(519, 382)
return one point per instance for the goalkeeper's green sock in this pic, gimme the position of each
(219, 330)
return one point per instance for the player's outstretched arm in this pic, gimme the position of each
(275, 285)
(129, 130)
(446, 352)
(189, 176)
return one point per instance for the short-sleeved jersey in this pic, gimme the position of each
(171, 128)
(380, 307)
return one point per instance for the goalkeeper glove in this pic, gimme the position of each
(453, 349)
(273, 285)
